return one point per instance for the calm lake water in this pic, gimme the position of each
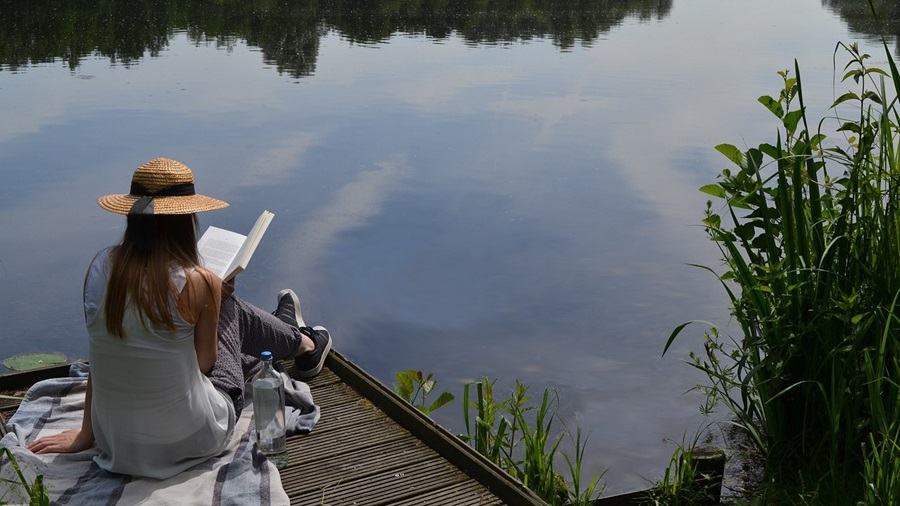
(508, 194)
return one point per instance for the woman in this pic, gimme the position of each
(169, 345)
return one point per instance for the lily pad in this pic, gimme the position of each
(28, 361)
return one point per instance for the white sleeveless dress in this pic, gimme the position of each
(154, 413)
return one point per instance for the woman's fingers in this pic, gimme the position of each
(57, 443)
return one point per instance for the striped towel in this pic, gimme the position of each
(240, 476)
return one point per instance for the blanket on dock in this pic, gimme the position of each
(240, 476)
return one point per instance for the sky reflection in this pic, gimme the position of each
(510, 210)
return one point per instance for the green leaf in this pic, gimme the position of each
(816, 140)
(733, 153)
(745, 231)
(714, 190)
(844, 98)
(876, 70)
(28, 361)
(713, 221)
(770, 150)
(854, 73)
(871, 95)
(404, 385)
(791, 119)
(443, 399)
(850, 126)
(772, 105)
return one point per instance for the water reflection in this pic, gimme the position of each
(289, 33)
(505, 193)
(858, 16)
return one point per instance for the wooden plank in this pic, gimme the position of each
(356, 463)
(442, 441)
(24, 379)
(334, 394)
(9, 404)
(470, 493)
(325, 377)
(359, 453)
(628, 499)
(385, 486)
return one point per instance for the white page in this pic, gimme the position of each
(218, 249)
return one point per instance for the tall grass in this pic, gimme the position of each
(682, 482)
(809, 232)
(35, 492)
(519, 436)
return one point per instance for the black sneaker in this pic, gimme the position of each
(310, 363)
(289, 308)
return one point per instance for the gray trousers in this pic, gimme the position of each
(244, 332)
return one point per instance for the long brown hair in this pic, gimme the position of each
(150, 247)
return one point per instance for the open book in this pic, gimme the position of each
(227, 253)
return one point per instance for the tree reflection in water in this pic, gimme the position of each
(289, 33)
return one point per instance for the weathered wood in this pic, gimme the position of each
(24, 379)
(360, 453)
(626, 499)
(430, 433)
(371, 447)
(710, 464)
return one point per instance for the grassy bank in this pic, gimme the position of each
(808, 227)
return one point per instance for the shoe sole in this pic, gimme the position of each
(298, 314)
(309, 373)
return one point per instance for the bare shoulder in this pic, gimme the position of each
(202, 290)
(203, 280)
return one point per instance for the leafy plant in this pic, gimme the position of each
(882, 471)
(37, 492)
(519, 437)
(809, 233)
(414, 387)
(684, 481)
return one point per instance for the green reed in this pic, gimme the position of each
(37, 492)
(809, 232)
(518, 435)
(679, 483)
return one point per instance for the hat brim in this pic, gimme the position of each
(121, 204)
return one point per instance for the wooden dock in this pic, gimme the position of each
(372, 448)
(369, 448)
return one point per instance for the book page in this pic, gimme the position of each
(249, 247)
(218, 249)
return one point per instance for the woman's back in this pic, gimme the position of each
(153, 412)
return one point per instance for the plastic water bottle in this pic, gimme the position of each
(268, 411)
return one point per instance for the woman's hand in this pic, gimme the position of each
(70, 441)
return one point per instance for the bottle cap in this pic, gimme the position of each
(266, 355)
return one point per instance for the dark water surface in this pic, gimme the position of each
(510, 194)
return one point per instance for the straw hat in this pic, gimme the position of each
(161, 186)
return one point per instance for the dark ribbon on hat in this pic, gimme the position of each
(144, 205)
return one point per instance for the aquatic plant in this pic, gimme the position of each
(685, 482)
(414, 387)
(36, 491)
(27, 361)
(809, 233)
(519, 437)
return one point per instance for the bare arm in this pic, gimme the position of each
(203, 307)
(73, 440)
